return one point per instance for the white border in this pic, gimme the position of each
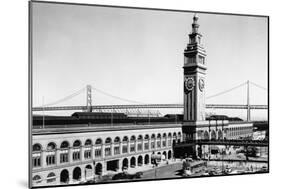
(14, 79)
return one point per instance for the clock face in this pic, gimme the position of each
(189, 83)
(201, 84)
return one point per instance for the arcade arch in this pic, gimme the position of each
(146, 159)
(51, 177)
(64, 176)
(206, 135)
(98, 169)
(169, 154)
(213, 135)
(76, 173)
(220, 135)
(125, 163)
(140, 162)
(164, 155)
(37, 179)
(133, 162)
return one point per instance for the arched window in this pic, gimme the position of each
(51, 177)
(125, 145)
(146, 142)
(146, 137)
(117, 146)
(36, 179)
(36, 147)
(51, 156)
(164, 140)
(125, 139)
(174, 135)
(88, 151)
(108, 140)
(116, 140)
(64, 153)
(107, 149)
(98, 144)
(36, 156)
(179, 137)
(51, 146)
(158, 136)
(133, 138)
(98, 141)
(139, 143)
(76, 151)
(158, 140)
(88, 142)
(132, 144)
(140, 137)
(76, 143)
(152, 141)
(64, 144)
(169, 139)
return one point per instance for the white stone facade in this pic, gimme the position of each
(72, 155)
(240, 130)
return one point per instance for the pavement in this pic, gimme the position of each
(173, 169)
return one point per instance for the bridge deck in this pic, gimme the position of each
(145, 106)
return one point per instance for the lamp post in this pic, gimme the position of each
(154, 159)
(94, 173)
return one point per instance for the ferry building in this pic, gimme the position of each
(70, 151)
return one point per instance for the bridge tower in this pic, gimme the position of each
(89, 98)
(194, 76)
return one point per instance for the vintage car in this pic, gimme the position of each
(126, 175)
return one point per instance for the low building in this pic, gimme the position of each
(240, 130)
(69, 155)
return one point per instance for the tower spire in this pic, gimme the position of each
(194, 76)
(195, 24)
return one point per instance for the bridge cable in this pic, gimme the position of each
(65, 98)
(259, 86)
(116, 97)
(226, 91)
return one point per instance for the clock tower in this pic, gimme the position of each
(194, 76)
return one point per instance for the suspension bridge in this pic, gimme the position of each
(135, 107)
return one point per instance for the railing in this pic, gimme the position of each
(225, 142)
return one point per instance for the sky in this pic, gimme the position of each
(138, 54)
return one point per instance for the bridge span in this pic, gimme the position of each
(145, 106)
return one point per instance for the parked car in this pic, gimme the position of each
(187, 172)
(126, 175)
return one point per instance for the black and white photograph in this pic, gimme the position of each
(126, 94)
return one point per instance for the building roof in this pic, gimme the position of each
(100, 128)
